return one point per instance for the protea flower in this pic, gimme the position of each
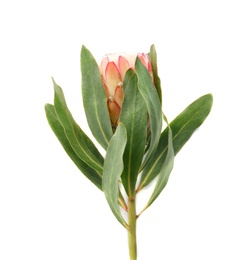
(113, 68)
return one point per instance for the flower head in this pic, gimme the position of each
(113, 68)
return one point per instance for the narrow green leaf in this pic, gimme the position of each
(153, 57)
(134, 118)
(183, 126)
(113, 168)
(94, 99)
(165, 169)
(94, 176)
(79, 141)
(150, 95)
(128, 75)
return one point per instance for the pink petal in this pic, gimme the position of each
(103, 65)
(106, 91)
(123, 66)
(119, 95)
(112, 77)
(150, 67)
(114, 111)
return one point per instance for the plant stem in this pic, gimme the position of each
(132, 228)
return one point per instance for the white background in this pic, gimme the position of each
(48, 209)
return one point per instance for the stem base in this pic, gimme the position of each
(132, 228)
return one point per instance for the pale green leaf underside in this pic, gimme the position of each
(113, 168)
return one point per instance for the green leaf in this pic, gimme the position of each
(128, 75)
(165, 169)
(94, 176)
(113, 168)
(134, 118)
(94, 99)
(183, 126)
(153, 58)
(150, 95)
(79, 141)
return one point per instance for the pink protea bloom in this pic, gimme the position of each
(113, 68)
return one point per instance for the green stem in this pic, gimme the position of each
(132, 228)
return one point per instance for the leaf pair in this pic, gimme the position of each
(75, 142)
(183, 126)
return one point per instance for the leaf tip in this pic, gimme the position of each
(209, 98)
(47, 106)
(56, 87)
(53, 80)
(84, 50)
(152, 48)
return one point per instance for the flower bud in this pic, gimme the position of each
(112, 69)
